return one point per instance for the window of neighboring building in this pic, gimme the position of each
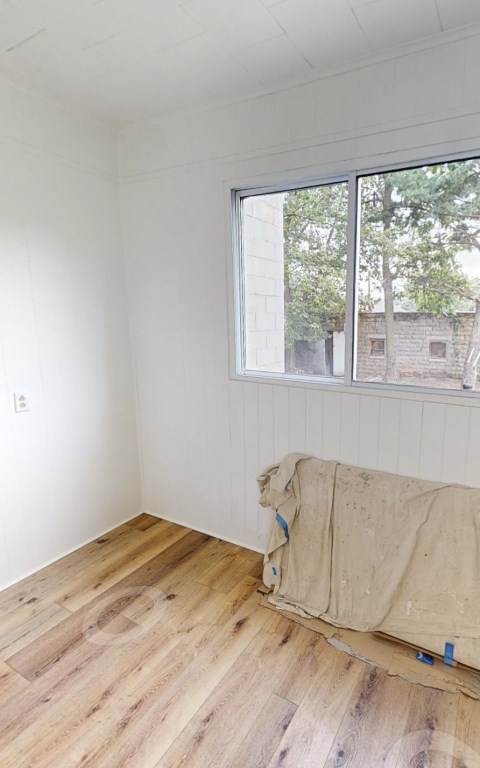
(377, 347)
(346, 280)
(437, 350)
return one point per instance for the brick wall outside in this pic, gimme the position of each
(413, 333)
(264, 282)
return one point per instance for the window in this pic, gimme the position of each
(349, 281)
(438, 350)
(377, 347)
(294, 272)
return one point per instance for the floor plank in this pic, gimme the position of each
(50, 581)
(219, 732)
(160, 656)
(144, 521)
(36, 659)
(309, 738)
(14, 638)
(467, 734)
(87, 585)
(11, 683)
(374, 720)
(164, 697)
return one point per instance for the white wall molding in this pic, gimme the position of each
(315, 76)
(69, 551)
(58, 159)
(360, 160)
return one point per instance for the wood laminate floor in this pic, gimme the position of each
(147, 648)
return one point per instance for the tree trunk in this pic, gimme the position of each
(473, 352)
(290, 359)
(390, 352)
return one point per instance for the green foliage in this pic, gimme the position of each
(315, 227)
(414, 225)
(421, 219)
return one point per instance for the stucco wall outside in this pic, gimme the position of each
(414, 332)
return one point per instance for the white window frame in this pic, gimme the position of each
(348, 383)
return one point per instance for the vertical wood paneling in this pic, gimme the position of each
(265, 448)
(296, 401)
(388, 435)
(431, 450)
(350, 426)
(250, 408)
(237, 453)
(332, 419)
(368, 432)
(455, 443)
(409, 437)
(472, 469)
(314, 425)
(265, 426)
(281, 423)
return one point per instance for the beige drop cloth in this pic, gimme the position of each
(376, 552)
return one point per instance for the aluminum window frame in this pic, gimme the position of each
(349, 381)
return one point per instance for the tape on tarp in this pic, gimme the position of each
(448, 654)
(283, 523)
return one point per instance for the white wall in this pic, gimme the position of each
(205, 434)
(68, 467)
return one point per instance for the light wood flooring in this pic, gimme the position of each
(147, 648)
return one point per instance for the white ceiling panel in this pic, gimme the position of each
(76, 22)
(356, 3)
(392, 22)
(216, 72)
(455, 13)
(325, 31)
(237, 23)
(273, 60)
(126, 60)
(160, 23)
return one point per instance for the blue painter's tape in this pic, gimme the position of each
(283, 523)
(448, 654)
(425, 658)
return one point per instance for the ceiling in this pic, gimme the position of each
(127, 60)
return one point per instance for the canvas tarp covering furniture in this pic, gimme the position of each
(376, 552)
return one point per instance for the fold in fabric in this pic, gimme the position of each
(375, 552)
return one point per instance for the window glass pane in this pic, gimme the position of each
(438, 350)
(418, 276)
(377, 347)
(294, 262)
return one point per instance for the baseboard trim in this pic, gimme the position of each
(205, 530)
(69, 552)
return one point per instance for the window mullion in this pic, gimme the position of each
(351, 287)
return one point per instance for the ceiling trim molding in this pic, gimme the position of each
(366, 132)
(67, 162)
(50, 101)
(363, 62)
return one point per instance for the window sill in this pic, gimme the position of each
(460, 397)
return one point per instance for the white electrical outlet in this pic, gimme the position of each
(21, 402)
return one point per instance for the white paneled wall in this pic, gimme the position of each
(68, 466)
(204, 433)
